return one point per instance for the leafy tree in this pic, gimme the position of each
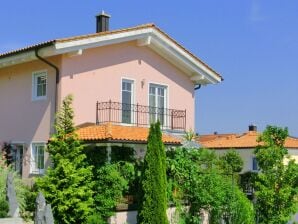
(68, 184)
(153, 203)
(236, 207)
(232, 162)
(276, 185)
(198, 175)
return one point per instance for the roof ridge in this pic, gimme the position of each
(52, 41)
(146, 25)
(78, 37)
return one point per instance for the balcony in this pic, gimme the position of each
(140, 115)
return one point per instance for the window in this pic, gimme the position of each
(37, 158)
(39, 85)
(17, 154)
(255, 166)
(157, 103)
(127, 100)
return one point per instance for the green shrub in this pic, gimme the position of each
(3, 208)
(95, 219)
(109, 187)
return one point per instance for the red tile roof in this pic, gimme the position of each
(61, 40)
(120, 133)
(246, 140)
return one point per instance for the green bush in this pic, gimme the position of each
(198, 174)
(109, 187)
(3, 208)
(95, 219)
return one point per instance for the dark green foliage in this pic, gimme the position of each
(247, 182)
(30, 198)
(97, 156)
(111, 181)
(231, 162)
(153, 203)
(68, 184)
(201, 181)
(6, 152)
(276, 185)
(121, 153)
(3, 208)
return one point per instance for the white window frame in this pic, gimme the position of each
(133, 95)
(35, 75)
(33, 164)
(167, 90)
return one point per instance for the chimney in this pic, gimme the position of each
(102, 22)
(252, 127)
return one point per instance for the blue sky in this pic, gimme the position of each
(253, 44)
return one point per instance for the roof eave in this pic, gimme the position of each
(149, 35)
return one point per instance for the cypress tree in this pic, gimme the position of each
(153, 204)
(68, 184)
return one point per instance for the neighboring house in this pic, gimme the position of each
(121, 80)
(244, 144)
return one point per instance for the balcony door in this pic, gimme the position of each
(127, 100)
(157, 103)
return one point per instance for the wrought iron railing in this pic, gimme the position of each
(139, 115)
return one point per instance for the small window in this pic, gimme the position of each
(255, 166)
(39, 85)
(37, 158)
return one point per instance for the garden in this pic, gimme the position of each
(86, 185)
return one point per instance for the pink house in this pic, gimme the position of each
(121, 81)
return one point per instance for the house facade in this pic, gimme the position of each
(121, 81)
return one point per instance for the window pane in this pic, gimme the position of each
(39, 90)
(126, 102)
(152, 101)
(40, 83)
(41, 157)
(38, 157)
(161, 91)
(161, 102)
(152, 109)
(161, 109)
(254, 164)
(128, 86)
(152, 90)
(126, 97)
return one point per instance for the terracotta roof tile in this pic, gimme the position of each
(111, 132)
(205, 138)
(246, 140)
